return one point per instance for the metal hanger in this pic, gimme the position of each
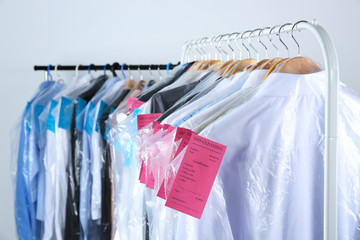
(286, 47)
(242, 42)
(270, 39)
(140, 74)
(266, 49)
(160, 76)
(249, 41)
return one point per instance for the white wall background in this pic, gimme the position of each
(84, 31)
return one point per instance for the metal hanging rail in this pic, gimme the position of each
(107, 67)
(331, 113)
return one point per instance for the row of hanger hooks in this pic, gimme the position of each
(112, 68)
(199, 48)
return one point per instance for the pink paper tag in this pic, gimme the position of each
(184, 141)
(196, 175)
(184, 135)
(169, 128)
(145, 119)
(157, 126)
(151, 181)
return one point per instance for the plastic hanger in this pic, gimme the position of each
(50, 77)
(113, 67)
(122, 70)
(105, 67)
(59, 77)
(298, 65)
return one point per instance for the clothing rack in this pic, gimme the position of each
(331, 106)
(115, 66)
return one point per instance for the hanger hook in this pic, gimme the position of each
(228, 43)
(221, 47)
(48, 71)
(249, 41)
(130, 73)
(202, 45)
(270, 39)
(122, 70)
(237, 44)
(168, 68)
(213, 47)
(151, 74)
(77, 70)
(266, 49)
(56, 71)
(192, 51)
(160, 76)
(206, 52)
(141, 76)
(106, 65)
(287, 49)
(114, 66)
(89, 68)
(242, 42)
(218, 46)
(197, 50)
(292, 35)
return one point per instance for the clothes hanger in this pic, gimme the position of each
(199, 63)
(273, 61)
(151, 81)
(209, 63)
(122, 70)
(229, 62)
(113, 67)
(196, 66)
(298, 65)
(243, 64)
(141, 83)
(231, 65)
(277, 63)
(160, 76)
(260, 63)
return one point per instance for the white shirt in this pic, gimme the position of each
(57, 155)
(270, 182)
(254, 79)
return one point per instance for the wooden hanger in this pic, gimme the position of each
(299, 65)
(140, 85)
(272, 68)
(242, 65)
(257, 65)
(208, 64)
(268, 64)
(130, 85)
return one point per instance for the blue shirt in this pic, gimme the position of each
(25, 209)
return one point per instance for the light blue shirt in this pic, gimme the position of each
(25, 209)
